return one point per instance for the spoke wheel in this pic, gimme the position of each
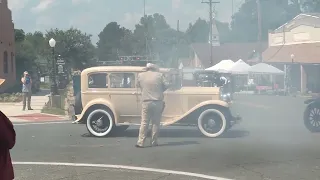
(212, 123)
(100, 122)
(312, 117)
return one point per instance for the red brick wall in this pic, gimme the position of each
(7, 45)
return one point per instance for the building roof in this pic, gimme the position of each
(233, 51)
(303, 53)
(310, 19)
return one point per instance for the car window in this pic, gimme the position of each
(98, 80)
(122, 80)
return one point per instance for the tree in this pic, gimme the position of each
(311, 6)
(19, 35)
(73, 45)
(153, 36)
(244, 25)
(113, 41)
(25, 54)
(199, 31)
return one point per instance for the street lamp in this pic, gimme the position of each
(292, 57)
(54, 88)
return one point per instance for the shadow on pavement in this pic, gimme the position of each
(177, 133)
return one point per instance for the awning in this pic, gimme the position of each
(240, 67)
(263, 68)
(303, 53)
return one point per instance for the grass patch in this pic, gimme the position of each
(53, 110)
(44, 85)
(56, 110)
(14, 97)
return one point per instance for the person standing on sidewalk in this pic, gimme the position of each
(26, 90)
(152, 84)
(7, 141)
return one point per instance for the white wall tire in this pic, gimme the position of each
(204, 117)
(106, 120)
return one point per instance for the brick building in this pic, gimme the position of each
(7, 47)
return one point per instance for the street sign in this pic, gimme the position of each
(62, 73)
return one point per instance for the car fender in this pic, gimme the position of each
(196, 107)
(99, 101)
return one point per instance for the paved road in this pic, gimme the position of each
(270, 143)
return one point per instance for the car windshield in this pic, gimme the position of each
(236, 96)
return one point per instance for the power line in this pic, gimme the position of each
(210, 2)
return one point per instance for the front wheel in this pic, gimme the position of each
(312, 117)
(212, 123)
(100, 122)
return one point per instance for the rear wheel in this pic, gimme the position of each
(100, 122)
(312, 117)
(212, 123)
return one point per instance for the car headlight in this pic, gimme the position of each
(225, 97)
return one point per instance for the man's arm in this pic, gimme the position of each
(165, 83)
(23, 80)
(138, 85)
(7, 133)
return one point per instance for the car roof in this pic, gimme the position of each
(119, 69)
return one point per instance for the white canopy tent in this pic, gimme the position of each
(223, 66)
(263, 68)
(240, 67)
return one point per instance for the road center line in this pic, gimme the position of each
(123, 167)
(42, 123)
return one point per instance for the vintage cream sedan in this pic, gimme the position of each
(111, 102)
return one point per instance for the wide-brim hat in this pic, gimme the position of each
(152, 66)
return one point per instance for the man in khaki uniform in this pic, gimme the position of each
(152, 84)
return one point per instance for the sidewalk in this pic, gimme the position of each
(16, 114)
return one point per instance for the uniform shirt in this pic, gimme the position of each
(27, 86)
(152, 85)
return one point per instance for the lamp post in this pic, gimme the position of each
(54, 88)
(292, 57)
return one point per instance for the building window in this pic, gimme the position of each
(12, 61)
(5, 62)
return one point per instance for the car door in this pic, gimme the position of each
(123, 96)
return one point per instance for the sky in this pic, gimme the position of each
(92, 16)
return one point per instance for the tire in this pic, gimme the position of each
(221, 128)
(77, 104)
(106, 119)
(311, 117)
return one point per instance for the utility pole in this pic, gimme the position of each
(259, 30)
(232, 7)
(144, 8)
(210, 2)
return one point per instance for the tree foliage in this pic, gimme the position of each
(73, 45)
(153, 35)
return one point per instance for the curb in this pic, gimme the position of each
(60, 116)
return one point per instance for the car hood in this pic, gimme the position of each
(196, 90)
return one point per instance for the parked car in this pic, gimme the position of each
(110, 101)
(311, 115)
